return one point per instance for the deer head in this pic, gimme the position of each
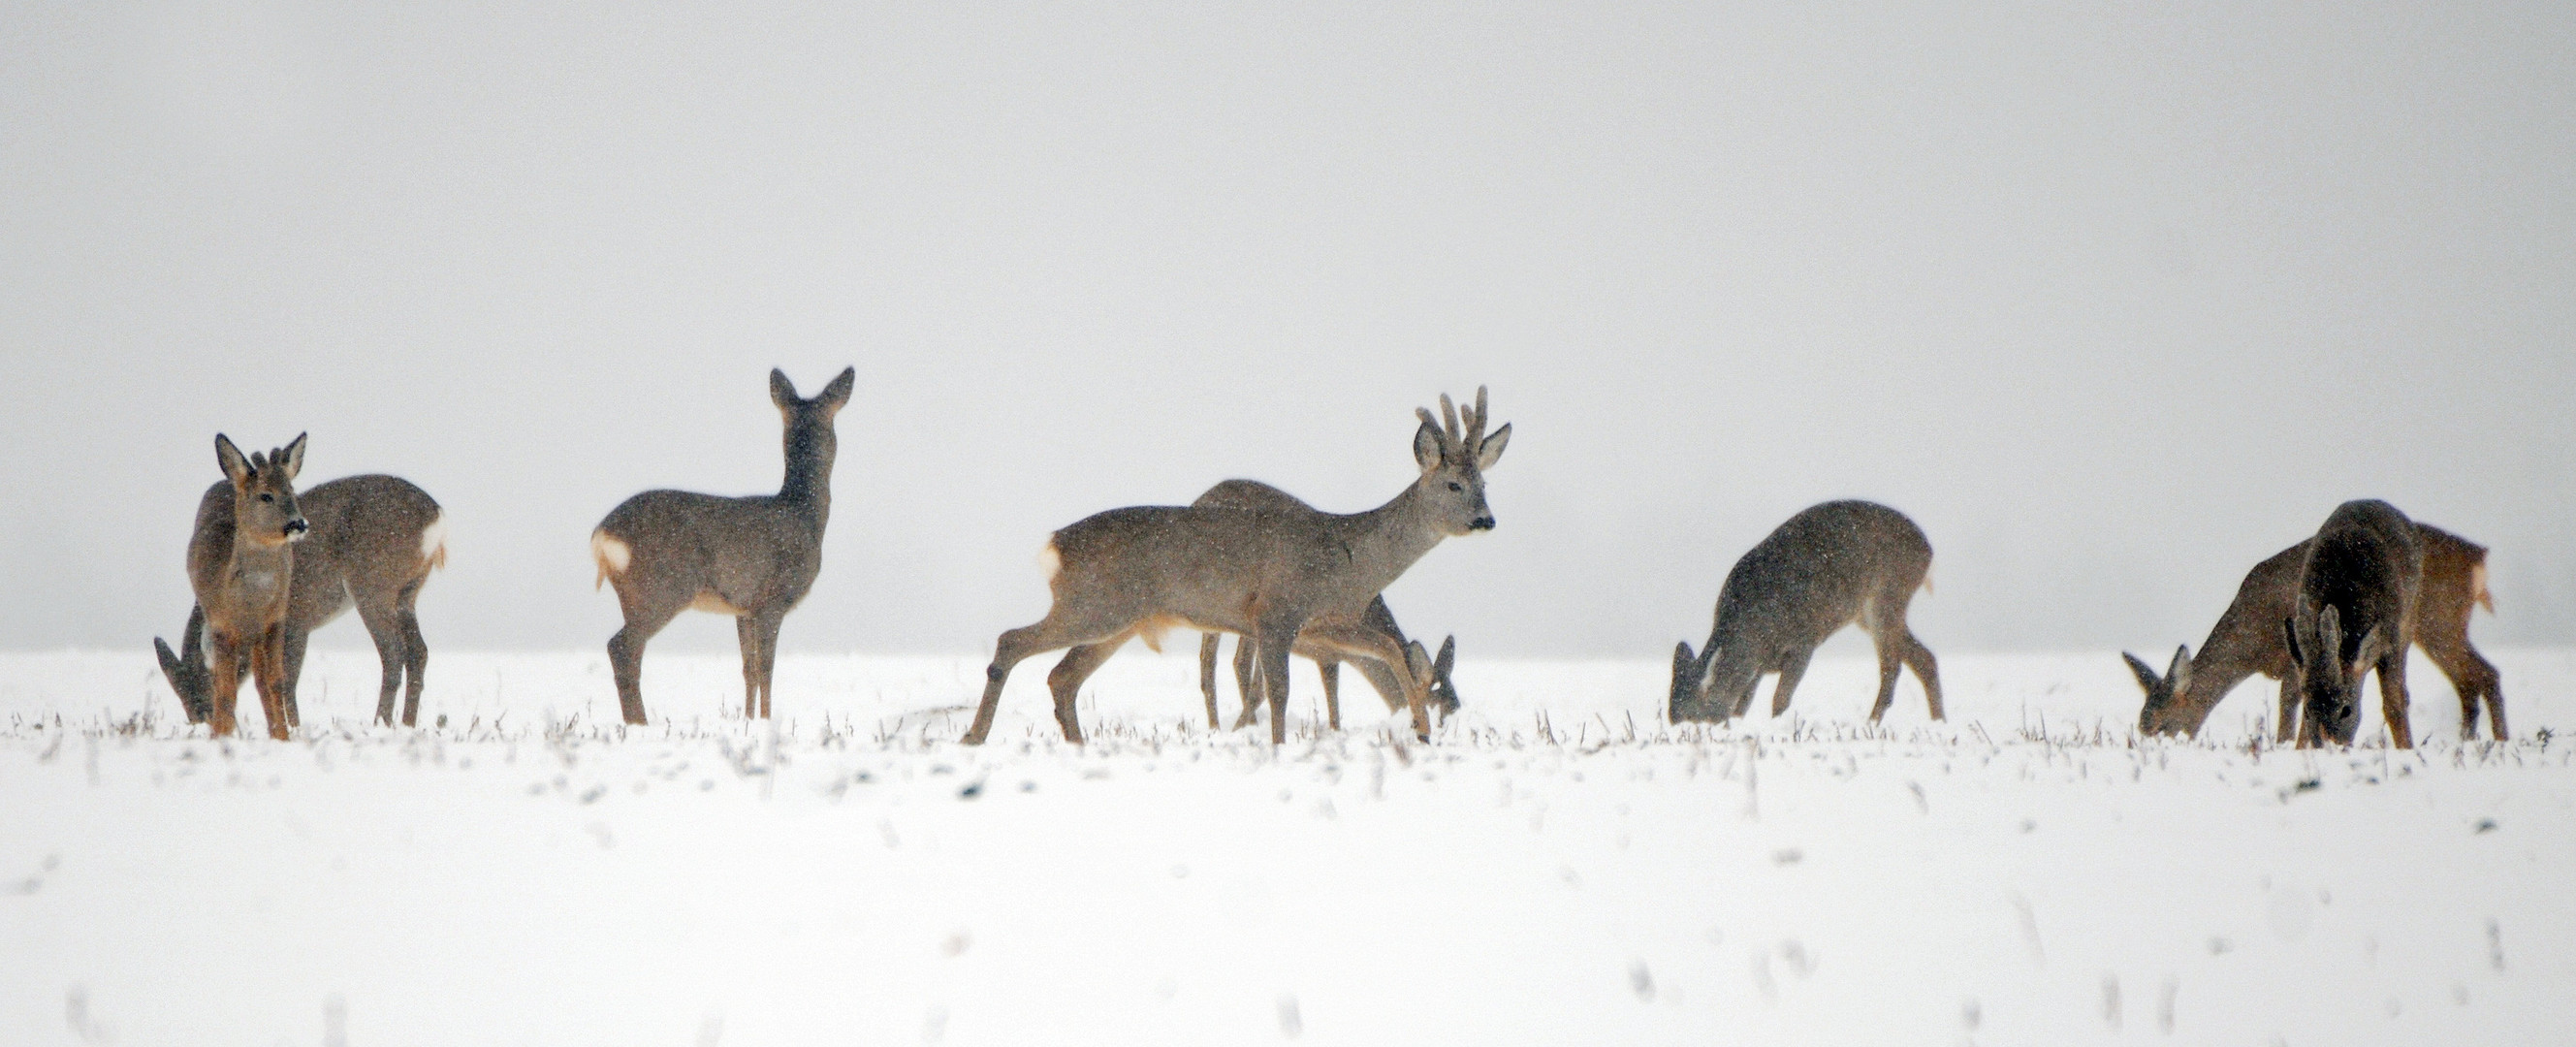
(1453, 460)
(264, 509)
(2159, 716)
(2329, 670)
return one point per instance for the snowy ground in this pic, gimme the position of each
(1558, 867)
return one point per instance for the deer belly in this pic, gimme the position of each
(714, 603)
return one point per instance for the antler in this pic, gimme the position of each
(1475, 423)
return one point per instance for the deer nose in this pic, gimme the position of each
(295, 529)
(1481, 523)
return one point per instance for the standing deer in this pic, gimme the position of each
(752, 557)
(2358, 589)
(373, 542)
(1832, 565)
(1253, 494)
(1259, 573)
(2247, 641)
(240, 564)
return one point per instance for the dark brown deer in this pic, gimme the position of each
(241, 564)
(1311, 642)
(373, 542)
(2248, 641)
(752, 557)
(1832, 565)
(1259, 573)
(2354, 613)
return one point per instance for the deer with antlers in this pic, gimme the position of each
(372, 544)
(1314, 643)
(1260, 573)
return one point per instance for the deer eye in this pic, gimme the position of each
(1455, 486)
(268, 498)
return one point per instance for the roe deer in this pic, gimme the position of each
(2354, 611)
(373, 542)
(1259, 573)
(1832, 565)
(2248, 641)
(240, 564)
(752, 557)
(1253, 494)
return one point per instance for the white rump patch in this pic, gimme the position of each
(1050, 562)
(433, 541)
(2478, 593)
(610, 553)
(1927, 578)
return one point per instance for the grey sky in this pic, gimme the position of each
(2115, 302)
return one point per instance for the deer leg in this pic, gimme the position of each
(1207, 674)
(1792, 669)
(1889, 662)
(2289, 709)
(415, 654)
(1927, 671)
(746, 632)
(1246, 685)
(224, 668)
(267, 665)
(1054, 632)
(2392, 697)
(1331, 670)
(292, 675)
(1064, 682)
(626, 649)
(2475, 679)
(769, 627)
(384, 625)
(1331, 638)
(1276, 637)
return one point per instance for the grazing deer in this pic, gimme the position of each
(752, 557)
(241, 563)
(1832, 565)
(1253, 494)
(2354, 612)
(373, 542)
(1261, 573)
(2248, 641)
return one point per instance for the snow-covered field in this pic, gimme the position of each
(1558, 867)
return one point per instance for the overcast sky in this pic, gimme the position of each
(2114, 302)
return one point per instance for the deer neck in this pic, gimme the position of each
(1383, 542)
(259, 569)
(807, 488)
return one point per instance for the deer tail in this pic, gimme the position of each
(611, 553)
(2478, 587)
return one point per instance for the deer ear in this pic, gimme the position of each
(2146, 676)
(291, 460)
(170, 665)
(2367, 639)
(838, 393)
(1491, 449)
(1683, 659)
(1448, 657)
(1426, 445)
(1417, 662)
(2179, 673)
(781, 391)
(2329, 634)
(2290, 637)
(236, 468)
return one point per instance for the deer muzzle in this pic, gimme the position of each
(1481, 523)
(296, 529)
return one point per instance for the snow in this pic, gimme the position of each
(1559, 866)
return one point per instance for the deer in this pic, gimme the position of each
(240, 563)
(1831, 565)
(1253, 494)
(2246, 642)
(2359, 585)
(372, 543)
(1259, 573)
(752, 557)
